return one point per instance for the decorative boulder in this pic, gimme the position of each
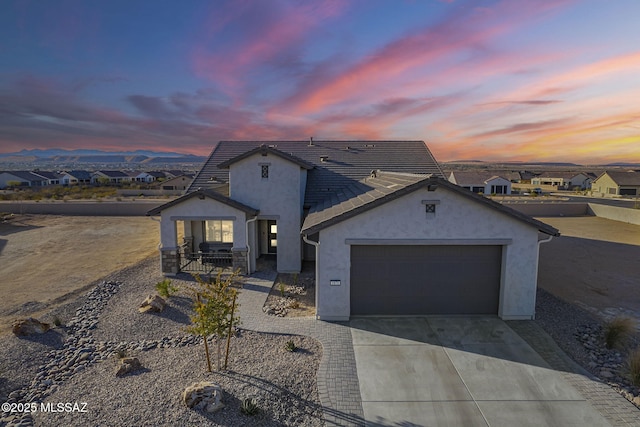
(30, 326)
(128, 365)
(154, 303)
(204, 395)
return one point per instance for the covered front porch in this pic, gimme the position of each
(205, 230)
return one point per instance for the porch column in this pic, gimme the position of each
(170, 260)
(169, 254)
(239, 259)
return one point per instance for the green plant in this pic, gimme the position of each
(165, 288)
(633, 366)
(56, 321)
(215, 311)
(618, 330)
(249, 406)
(281, 288)
(291, 346)
(121, 353)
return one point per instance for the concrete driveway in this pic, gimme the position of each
(459, 371)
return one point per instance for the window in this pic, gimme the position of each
(478, 190)
(264, 171)
(612, 190)
(218, 231)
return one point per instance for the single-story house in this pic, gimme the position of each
(564, 180)
(136, 176)
(481, 182)
(112, 177)
(389, 235)
(52, 178)
(617, 183)
(178, 183)
(22, 179)
(76, 177)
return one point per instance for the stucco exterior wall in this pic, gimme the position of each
(616, 213)
(601, 186)
(277, 197)
(495, 182)
(456, 218)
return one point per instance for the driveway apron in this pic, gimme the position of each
(459, 371)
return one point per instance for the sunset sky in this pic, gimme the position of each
(510, 80)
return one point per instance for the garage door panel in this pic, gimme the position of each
(414, 280)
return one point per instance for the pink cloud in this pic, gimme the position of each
(435, 48)
(273, 29)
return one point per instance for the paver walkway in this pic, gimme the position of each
(337, 376)
(338, 385)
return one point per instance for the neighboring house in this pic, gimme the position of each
(481, 182)
(113, 177)
(22, 179)
(617, 183)
(158, 175)
(562, 180)
(76, 177)
(142, 177)
(398, 241)
(179, 183)
(53, 178)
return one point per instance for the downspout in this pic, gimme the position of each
(317, 245)
(246, 229)
(538, 266)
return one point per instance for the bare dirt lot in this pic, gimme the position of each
(595, 264)
(46, 260)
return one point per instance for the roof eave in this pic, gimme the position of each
(204, 193)
(541, 226)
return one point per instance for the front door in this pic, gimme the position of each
(272, 237)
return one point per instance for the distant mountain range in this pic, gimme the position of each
(98, 156)
(542, 164)
(83, 152)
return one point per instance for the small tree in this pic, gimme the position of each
(215, 311)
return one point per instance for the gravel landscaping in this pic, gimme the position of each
(77, 363)
(581, 336)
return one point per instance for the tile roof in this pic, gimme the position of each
(113, 174)
(471, 178)
(624, 178)
(27, 176)
(47, 174)
(563, 175)
(205, 193)
(337, 164)
(385, 187)
(264, 150)
(80, 174)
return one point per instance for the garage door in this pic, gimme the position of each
(415, 280)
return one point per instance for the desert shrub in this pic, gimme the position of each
(618, 330)
(290, 346)
(57, 322)
(249, 407)
(165, 288)
(281, 289)
(633, 366)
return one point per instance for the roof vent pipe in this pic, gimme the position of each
(311, 141)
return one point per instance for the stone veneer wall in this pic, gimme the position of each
(239, 259)
(170, 261)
